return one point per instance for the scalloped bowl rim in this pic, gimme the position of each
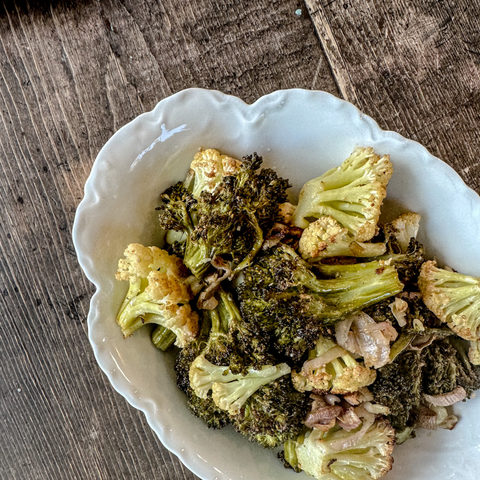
(91, 201)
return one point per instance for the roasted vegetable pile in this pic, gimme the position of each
(309, 327)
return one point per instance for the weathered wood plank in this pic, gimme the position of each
(71, 74)
(333, 53)
(414, 67)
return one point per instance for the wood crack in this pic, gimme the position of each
(332, 51)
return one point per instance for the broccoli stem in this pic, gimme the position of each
(223, 315)
(256, 246)
(163, 338)
(228, 310)
(197, 257)
(358, 286)
(402, 342)
(290, 454)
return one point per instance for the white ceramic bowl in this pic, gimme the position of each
(301, 134)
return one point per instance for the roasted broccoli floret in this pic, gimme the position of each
(205, 174)
(325, 238)
(467, 372)
(275, 296)
(453, 297)
(413, 308)
(332, 369)
(399, 387)
(341, 455)
(203, 408)
(221, 348)
(207, 171)
(351, 193)
(207, 226)
(232, 342)
(284, 297)
(230, 391)
(273, 414)
(226, 343)
(228, 222)
(158, 293)
(441, 368)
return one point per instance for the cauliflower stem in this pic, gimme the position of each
(352, 194)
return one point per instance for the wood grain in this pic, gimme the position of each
(71, 74)
(414, 67)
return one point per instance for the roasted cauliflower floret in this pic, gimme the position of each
(364, 453)
(325, 237)
(332, 369)
(208, 169)
(453, 297)
(286, 212)
(159, 293)
(351, 193)
(139, 261)
(230, 391)
(404, 228)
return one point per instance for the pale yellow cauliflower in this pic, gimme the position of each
(351, 193)
(332, 370)
(325, 237)
(208, 169)
(159, 293)
(455, 299)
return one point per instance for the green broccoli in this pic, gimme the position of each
(205, 174)
(227, 221)
(414, 308)
(351, 193)
(273, 414)
(332, 369)
(225, 342)
(447, 366)
(399, 387)
(342, 455)
(441, 368)
(231, 340)
(288, 455)
(281, 295)
(203, 408)
(158, 293)
(182, 213)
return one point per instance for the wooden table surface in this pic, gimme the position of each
(72, 73)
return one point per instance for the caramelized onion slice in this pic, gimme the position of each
(456, 395)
